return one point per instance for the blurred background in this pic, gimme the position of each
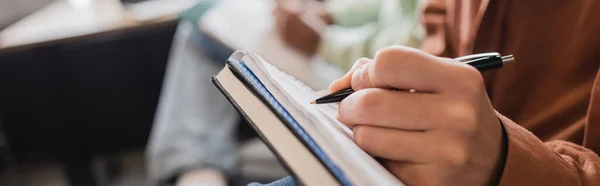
(109, 92)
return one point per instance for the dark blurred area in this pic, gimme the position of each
(68, 100)
(71, 101)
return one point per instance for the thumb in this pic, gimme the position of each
(345, 81)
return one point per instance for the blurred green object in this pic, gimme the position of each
(194, 13)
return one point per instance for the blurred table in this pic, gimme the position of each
(81, 78)
(249, 24)
(65, 20)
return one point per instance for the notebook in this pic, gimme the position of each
(312, 145)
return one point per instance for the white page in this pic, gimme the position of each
(320, 123)
(303, 95)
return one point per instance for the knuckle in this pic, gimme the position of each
(344, 113)
(455, 154)
(388, 60)
(377, 73)
(386, 53)
(392, 52)
(356, 107)
(471, 80)
(367, 100)
(458, 115)
(386, 56)
(381, 70)
(459, 157)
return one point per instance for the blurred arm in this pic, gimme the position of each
(434, 20)
(385, 22)
(353, 12)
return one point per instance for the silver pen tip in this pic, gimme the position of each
(508, 58)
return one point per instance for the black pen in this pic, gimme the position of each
(481, 62)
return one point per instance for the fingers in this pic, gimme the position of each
(394, 144)
(344, 81)
(447, 128)
(402, 68)
(388, 108)
(407, 68)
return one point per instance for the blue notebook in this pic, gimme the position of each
(307, 140)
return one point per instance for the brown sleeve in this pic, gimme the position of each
(434, 20)
(529, 161)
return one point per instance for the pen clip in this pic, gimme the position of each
(477, 56)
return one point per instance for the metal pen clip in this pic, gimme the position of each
(468, 58)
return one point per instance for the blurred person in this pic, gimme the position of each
(341, 31)
(550, 94)
(193, 139)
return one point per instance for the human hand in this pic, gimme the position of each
(297, 27)
(443, 133)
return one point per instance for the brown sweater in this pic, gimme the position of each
(552, 90)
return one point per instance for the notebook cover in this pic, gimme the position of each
(237, 107)
(245, 75)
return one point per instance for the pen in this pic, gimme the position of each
(481, 62)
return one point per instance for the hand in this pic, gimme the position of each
(443, 133)
(297, 31)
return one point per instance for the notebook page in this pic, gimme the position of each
(303, 95)
(319, 121)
